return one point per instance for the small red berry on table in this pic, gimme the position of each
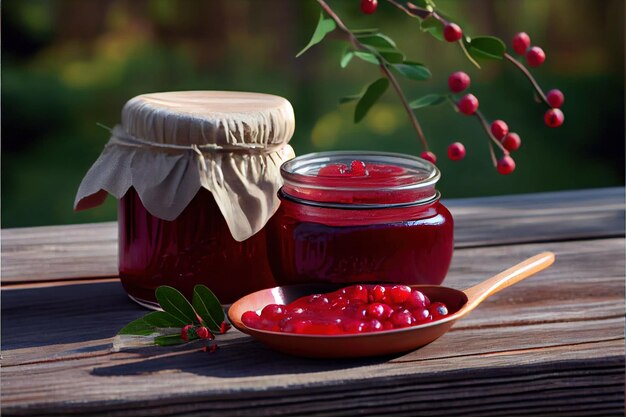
(369, 6)
(452, 32)
(521, 42)
(499, 129)
(458, 81)
(456, 151)
(554, 118)
(535, 56)
(468, 104)
(186, 332)
(506, 165)
(555, 98)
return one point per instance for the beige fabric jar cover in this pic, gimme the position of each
(171, 144)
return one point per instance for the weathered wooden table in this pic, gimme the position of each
(551, 345)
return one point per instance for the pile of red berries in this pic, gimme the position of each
(354, 309)
(535, 56)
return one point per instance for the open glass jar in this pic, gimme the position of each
(360, 217)
(196, 174)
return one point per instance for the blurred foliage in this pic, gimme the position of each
(68, 64)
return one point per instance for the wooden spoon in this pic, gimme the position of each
(459, 304)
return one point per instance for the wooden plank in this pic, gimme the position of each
(90, 250)
(553, 342)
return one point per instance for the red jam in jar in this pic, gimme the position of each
(360, 217)
(195, 248)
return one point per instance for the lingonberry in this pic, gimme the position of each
(421, 315)
(204, 333)
(506, 165)
(273, 312)
(375, 325)
(399, 293)
(369, 6)
(356, 292)
(554, 118)
(213, 348)
(452, 32)
(499, 129)
(417, 300)
(429, 156)
(521, 42)
(456, 151)
(438, 310)
(458, 81)
(378, 293)
(187, 332)
(353, 326)
(224, 327)
(555, 98)
(402, 319)
(468, 104)
(511, 142)
(332, 170)
(535, 56)
(250, 319)
(379, 311)
(357, 168)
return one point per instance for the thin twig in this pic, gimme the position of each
(529, 76)
(383, 67)
(485, 126)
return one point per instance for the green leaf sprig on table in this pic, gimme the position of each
(180, 321)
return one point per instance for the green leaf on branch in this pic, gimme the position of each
(169, 340)
(370, 31)
(367, 57)
(424, 4)
(413, 71)
(433, 26)
(163, 319)
(428, 100)
(346, 58)
(371, 95)
(486, 47)
(348, 99)
(208, 307)
(176, 304)
(377, 40)
(138, 327)
(324, 27)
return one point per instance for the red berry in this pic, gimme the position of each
(468, 104)
(251, 319)
(273, 312)
(429, 156)
(357, 168)
(187, 332)
(378, 293)
(356, 292)
(456, 151)
(353, 326)
(499, 129)
(332, 170)
(422, 315)
(375, 325)
(399, 293)
(506, 165)
(452, 32)
(417, 299)
(213, 348)
(555, 98)
(369, 6)
(521, 42)
(511, 142)
(402, 319)
(379, 311)
(438, 310)
(458, 81)
(554, 118)
(204, 333)
(224, 327)
(535, 56)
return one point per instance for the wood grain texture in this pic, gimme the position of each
(90, 250)
(550, 345)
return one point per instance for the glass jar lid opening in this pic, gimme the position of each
(360, 178)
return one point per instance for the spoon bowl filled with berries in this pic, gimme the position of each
(335, 320)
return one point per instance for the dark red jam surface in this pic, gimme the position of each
(196, 248)
(354, 309)
(346, 241)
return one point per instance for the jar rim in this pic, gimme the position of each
(413, 184)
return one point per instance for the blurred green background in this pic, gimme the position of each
(69, 64)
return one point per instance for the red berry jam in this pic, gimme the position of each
(349, 310)
(359, 217)
(195, 248)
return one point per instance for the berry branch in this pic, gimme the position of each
(384, 69)
(374, 47)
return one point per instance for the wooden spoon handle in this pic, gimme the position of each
(477, 293)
